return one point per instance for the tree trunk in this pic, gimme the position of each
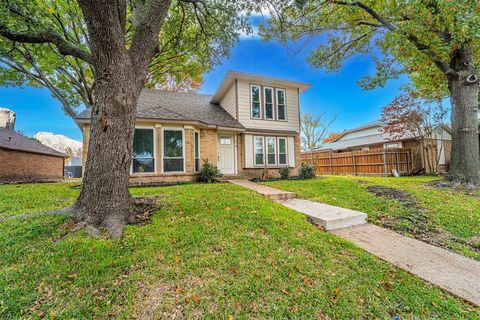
(105, 200)
(463, 86)
(120, 73)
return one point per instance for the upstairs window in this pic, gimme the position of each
(271, 148)
(172, 150)
(255, 98)
(259, 151)
(143, 151)
(268, 102)
(281, 112)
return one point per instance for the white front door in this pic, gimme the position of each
(226, 154)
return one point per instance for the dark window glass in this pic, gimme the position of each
(259, 151)
(197, 152)
(143, 155)
(282, 151)
(255, 101)
(281, 104)
(268, 103)
(271, 151)
(172, 150)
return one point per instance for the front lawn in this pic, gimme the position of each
(442, 217)
(216, 251)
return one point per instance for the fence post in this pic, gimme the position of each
(396, 158)
(384, 163)
(354, 164)
(331, 172)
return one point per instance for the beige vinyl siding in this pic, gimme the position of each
(292, 122)
(249, 152)
(229, 102)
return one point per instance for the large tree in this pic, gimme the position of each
(122, 38)
(178, 65)
(435, 42)
(314, 130)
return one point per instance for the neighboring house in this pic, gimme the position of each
(252, 122)
(427, 150)
(26, 160)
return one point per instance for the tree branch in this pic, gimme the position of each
(47, 36)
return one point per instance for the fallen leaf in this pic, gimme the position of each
(177, 259)
(336, 291)
(178, 290)
(307, 281)
(194, 298)
(232, 270)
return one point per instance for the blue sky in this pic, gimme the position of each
(336, 94)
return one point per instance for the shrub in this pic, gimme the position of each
(209, 173)
(284, 172)
(306, 171)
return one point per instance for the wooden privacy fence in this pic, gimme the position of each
(378, 162)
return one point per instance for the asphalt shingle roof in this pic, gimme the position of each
(182, 106)
(12, 140)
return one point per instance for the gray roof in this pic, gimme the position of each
(12, 140)
(179, 106)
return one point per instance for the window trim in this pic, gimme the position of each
(154, 151)
(196, 132)
(260, 117)
(265, 103)
(284, 103)
(275, 154)
(254, 151)
(286, 151)
(163, 149)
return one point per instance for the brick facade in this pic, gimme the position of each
(19, 166)
(208, 151)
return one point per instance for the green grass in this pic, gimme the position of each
(212, 251)
(448, 211)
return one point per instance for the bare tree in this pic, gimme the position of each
(408, 116)
(314, 130)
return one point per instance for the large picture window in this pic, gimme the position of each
(259, 151)
(268, 97)
(282, 151)
(271, 146)
(281, 111)
(143, 151)
(172, 151)
(255, 98)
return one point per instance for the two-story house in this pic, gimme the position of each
(252, 122)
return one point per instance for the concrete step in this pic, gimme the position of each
(269, 192)
(329, 217)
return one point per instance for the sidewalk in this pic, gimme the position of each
(450, 271)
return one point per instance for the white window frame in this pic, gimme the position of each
(259, 101)
(274, 151)
(163, 149)
(154, 152)
(255, 151)
(286, 151)
(265, 103)
(284, 103)
(196, 132)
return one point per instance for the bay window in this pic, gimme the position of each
(259, 151)
(143, 151)
(268, 102)
(271, 146)
(255, 99)
(173, 150)
(281, 111)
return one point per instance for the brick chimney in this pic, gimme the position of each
(7, 119)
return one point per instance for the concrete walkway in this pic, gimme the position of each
(445, 269)
(450, 271)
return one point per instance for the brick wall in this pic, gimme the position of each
(208, 145)
(18, 166)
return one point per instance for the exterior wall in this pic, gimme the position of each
(361, 133)
(229, 102)
(208, 145)
(248, 171)
(18, 166)
(292, 122)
